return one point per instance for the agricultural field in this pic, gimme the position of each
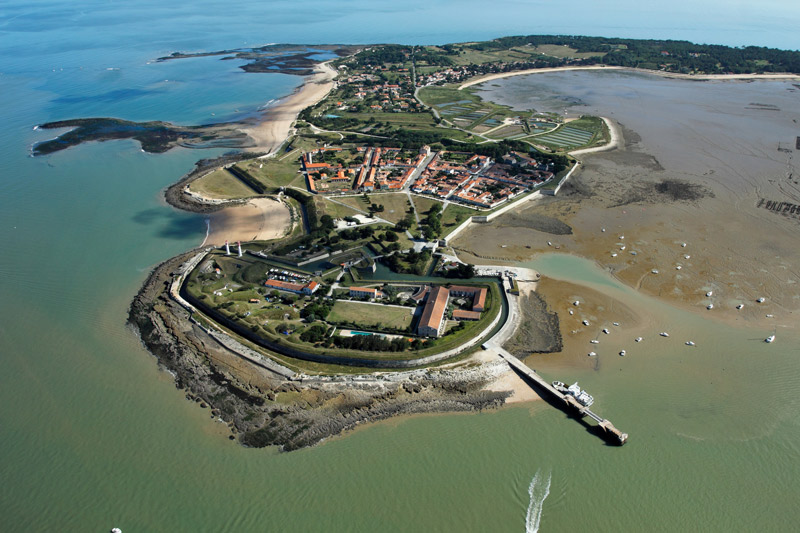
(468, 111)
(585, 131)
(221, 185)
(370, 316)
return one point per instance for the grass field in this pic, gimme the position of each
(554, 50)
(456, 214)
(394, 204)
(368, 315)
(334, 209)
(222, 185)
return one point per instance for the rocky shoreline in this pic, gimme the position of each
(263, 408)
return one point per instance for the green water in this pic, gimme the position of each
(95, 436)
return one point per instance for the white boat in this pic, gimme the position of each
(585, 322)
(579, 394)
(638, 339)
(614, 254)
(683, 245)
(710, 306)
(761, 300)
(633, 253)
(771, 338)
(591, 354)
(605, 330)
(689, 343)
(709, 293)
(740, 306)
(678, 267)
(687, 256)
(622, 352)
(576, 302)
(616, 323)
(594, 341)
(116, 530)
(654, 271)
(664, 334)
(570, 312)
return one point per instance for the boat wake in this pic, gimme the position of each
(208, 231)
(538, 491)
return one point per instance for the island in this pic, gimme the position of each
(357, 303)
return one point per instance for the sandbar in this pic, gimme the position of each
(501, 75)
(276, 124)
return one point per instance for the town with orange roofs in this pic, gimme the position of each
(472, 179)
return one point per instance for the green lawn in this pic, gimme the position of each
(456, 214)
(370, 316)
(334, 209)
(221, 184)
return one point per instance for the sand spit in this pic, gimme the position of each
(260, 219)
(276, 124)
(701, 77)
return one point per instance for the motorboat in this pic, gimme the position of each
(622, 352)
(689, 343)
(771, 338)
(664, 334)
(638, 339)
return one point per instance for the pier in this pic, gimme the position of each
(569, 402)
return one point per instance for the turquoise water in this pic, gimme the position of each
(94, 436)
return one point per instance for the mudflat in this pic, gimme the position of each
(692, 202)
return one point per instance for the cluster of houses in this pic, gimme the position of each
(378, 169)
(479, 181)
(471, 179)
(381, 95)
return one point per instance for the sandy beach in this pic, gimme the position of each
(260, 219)
(276, 124)
(490, 77)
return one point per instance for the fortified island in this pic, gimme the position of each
(359, 308)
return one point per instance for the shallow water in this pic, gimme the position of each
(94, 436)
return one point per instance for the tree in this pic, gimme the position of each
(326, 223)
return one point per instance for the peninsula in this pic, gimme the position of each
(346, 293)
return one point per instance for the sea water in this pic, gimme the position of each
(95, 436)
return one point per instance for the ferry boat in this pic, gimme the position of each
(575, 391)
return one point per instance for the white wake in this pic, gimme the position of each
(208, 231)
(538, 491)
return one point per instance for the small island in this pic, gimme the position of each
(355, 306)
